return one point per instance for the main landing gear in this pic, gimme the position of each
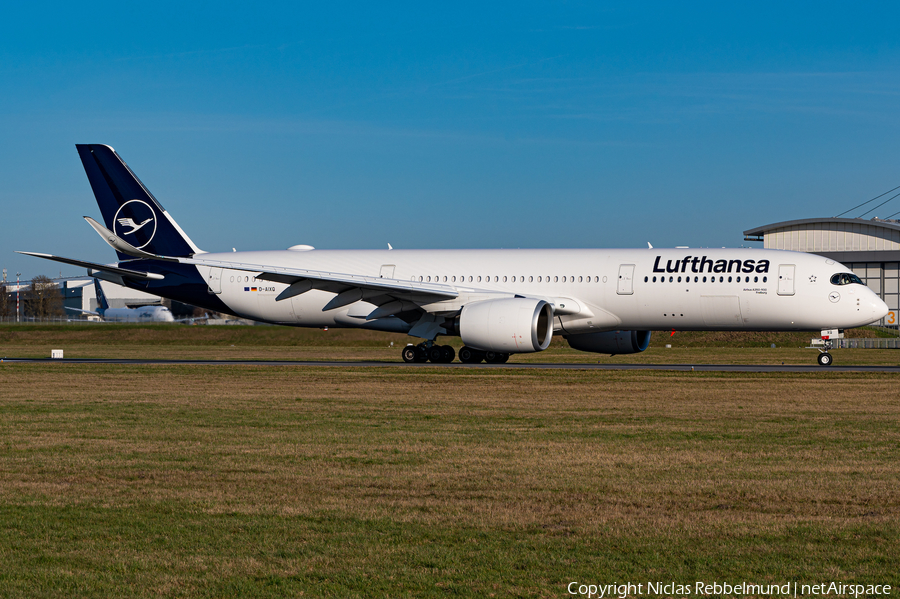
(438, 354)
(467, 355)
(444, 354)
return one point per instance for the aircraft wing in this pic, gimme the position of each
(349, 288)
(192, 319)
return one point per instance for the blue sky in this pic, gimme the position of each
(351, 125)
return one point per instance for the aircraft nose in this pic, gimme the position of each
(879, 308)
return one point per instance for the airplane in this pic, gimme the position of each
(499, 302)
(141, 314)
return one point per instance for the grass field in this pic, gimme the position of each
(192, 481)
(284, 343)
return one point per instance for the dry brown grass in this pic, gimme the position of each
(578, 450)
(280, 481)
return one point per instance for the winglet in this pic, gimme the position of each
(120, 245)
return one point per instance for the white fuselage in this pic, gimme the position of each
(142, 314)
(591, 290)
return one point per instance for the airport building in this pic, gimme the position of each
(870, 248)
(79, 294)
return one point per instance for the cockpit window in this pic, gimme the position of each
(845, 278)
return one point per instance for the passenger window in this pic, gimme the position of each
(579, 279)
(696, 279)
(704, 279)
(679, 279)
(556, 279)
(756, 279)
(645, 279)
(765, 279)
(531, 279)
(671, 279)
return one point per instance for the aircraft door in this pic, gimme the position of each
(786, 279)
(387, 271)
(214, 280)
(721, 311)
(626, 280)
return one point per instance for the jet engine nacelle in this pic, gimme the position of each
(508, 326)
(611, 342)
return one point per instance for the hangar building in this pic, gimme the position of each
(870, 248)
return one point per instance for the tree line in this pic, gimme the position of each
(42, 299)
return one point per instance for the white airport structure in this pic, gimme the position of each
(78, 295)
(116, 295)
(870, 248)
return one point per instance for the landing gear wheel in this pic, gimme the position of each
(825, 359)
(447, 354)
(421, 354)
(495, 358)
(467, 355)
(409, 353)
(435, 354)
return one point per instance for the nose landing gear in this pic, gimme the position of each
(828, 335)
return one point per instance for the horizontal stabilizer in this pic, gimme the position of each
(80, 311)
(120, 245)
(122, 272)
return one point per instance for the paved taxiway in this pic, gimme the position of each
(678, 367)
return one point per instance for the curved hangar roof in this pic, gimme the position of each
(843, 239)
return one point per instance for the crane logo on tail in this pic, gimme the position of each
(135, 221)
(127, 222)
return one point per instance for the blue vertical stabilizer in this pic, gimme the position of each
(102, 304)
(128, 208)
